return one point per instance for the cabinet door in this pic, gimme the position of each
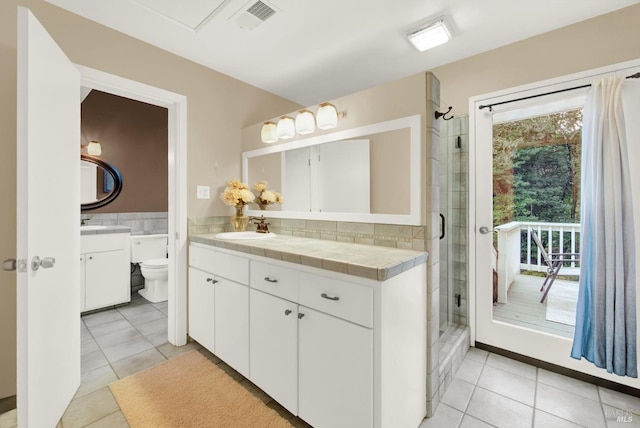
(106, 279)
(232, 324)
(274, 348)
(201, 306)
(83, 283)
(335, 371)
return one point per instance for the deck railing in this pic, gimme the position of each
(517, 250)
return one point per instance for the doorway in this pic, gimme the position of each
(176, 105)
(512, 204)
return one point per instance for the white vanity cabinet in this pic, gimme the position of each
(337, 350)
(105, 270)
(219, 304)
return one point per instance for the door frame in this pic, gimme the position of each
(477, 130)
(176, 104)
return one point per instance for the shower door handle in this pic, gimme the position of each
(442, 226)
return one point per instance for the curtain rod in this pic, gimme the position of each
(490, 106)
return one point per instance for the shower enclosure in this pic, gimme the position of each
(453, 216)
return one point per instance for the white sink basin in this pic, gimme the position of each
(92, 227)
(244, 235)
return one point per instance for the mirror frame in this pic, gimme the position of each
(415, 184)
(117, 183)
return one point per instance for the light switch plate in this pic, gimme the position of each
(203, 192)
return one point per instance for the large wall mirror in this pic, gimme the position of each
(368, 174)
(100, 182)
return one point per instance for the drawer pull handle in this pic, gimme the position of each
(266, 278)
(334, 298)
(300, 316)
(287, 312)
(211, 280)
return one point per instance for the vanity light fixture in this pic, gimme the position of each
(305, 122)
(286, 127)
(429, 36)
(93, 148)
(269, 133)
(327, 116)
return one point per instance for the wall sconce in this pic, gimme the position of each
(269, 133)
(286, 127)
(93, 148)
(327, 116)
(305, 122)
(430, 35)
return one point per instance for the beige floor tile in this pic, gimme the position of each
(471, 422)
(568, 384)
(89, 408)
(153, 326)
(508, 384)
(118, 337)
(619, 400)
(171, 351)
(98, 318)
(147, 316)
(546, 420)
(569, 406)
(469, 371)
(458, 394)
(88, 345)
(95, 379)
(499, 411)
(126, 349)
(477, 355)
(158, 338)
(512, 366)
(114, 420)
(444, 417)
(109, 327)
(138, 362)
(92, 360)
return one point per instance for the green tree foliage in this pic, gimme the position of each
(536, 169)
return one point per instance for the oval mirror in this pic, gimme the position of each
(100, 183)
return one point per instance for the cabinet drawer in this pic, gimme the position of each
(202, 258)
(276, 280)
(340, 298)
(232, 267)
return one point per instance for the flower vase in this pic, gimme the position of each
(263, 207)
(239, 221)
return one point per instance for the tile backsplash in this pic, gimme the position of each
(147, 223)
(387, 235)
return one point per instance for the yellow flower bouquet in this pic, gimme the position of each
(265, 196)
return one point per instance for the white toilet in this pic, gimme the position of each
(150, 251)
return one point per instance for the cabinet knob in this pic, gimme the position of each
(271, 280)
(288, 312)
(326, 296)
(300, 316)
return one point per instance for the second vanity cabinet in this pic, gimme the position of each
(324, 345)
(104, 270)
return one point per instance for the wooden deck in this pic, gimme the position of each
(524, 307)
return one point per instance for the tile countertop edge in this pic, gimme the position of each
(106, 230)
(389, 262)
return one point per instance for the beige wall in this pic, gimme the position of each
(133, 136)
(218, 108)
(601, 41)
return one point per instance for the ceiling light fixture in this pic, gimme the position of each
(286, 128)
(269, 133)
(430, 35)
(327, 116)
(305, 122)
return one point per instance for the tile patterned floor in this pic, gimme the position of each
(490, 390)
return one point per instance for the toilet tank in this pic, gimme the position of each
(147, 247)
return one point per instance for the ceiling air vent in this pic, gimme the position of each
(254, 13)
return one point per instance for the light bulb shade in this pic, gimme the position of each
(305, 122)
(286, 127)
(269, 133)
(327, 116)
(94, 148)
(429, 36)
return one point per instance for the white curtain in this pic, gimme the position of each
(605, 331)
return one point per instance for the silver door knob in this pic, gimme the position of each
(484, 230)
(46, 263)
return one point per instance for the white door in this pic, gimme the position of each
(519, 321)
(48, 222)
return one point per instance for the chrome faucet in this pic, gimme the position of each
(261, 224)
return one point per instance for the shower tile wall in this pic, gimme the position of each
(147, 223)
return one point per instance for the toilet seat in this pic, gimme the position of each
(155, 263)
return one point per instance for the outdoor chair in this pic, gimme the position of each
(554, 262)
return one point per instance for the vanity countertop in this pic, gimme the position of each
(367, 261)
(101, 230)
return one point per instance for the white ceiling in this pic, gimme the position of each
(313, 51)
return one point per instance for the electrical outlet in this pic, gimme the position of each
(203, 192)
